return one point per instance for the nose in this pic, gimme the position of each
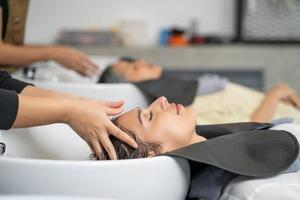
(163, 102)
(159, 104)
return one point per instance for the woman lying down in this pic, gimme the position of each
(238, 103)
(216, 153)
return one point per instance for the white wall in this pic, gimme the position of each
(47, 17)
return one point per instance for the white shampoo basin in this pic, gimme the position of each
(53, 160)
(132, 96)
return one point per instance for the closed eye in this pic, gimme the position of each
(151, 116)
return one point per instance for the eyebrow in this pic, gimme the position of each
(139, 116)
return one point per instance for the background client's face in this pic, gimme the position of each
(137, 71)
(171, 125)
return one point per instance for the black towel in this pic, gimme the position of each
(235, 149)
(175, 90)
(257, 153)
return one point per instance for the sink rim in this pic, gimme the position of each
(89, 162)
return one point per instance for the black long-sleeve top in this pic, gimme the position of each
(4, 6)
(9, 101)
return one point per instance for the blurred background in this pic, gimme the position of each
(253, 42)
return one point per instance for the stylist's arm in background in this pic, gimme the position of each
(27, 54)
(14, 53)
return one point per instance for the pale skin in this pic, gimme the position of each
(141, 70)
(137, 71)
(90, 119)
(169, 124)
(280, 93)
(70, 58)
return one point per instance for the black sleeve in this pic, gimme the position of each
(9, 105)
(9, 101)
(8, 83)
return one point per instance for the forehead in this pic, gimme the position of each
(130, 120)
(121, 62)
(121, 65)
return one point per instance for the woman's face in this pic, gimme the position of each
(137, 71)
(168, 124)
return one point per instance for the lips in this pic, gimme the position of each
(179, 107)
(176, 107)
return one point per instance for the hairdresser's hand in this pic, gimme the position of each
(90, 119)
(74, 60)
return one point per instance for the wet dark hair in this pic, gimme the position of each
(124, 151)
(110, 76)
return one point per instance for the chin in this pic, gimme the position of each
(190, 111)
(190, 115)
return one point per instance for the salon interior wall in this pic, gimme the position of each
(47, 17)
(280, 63)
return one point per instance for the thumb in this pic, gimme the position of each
(113, 111)
(113, 104)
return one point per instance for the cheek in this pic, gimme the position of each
(130, 73)
(171, 131)
(142, 71)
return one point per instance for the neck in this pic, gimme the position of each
(195, 138)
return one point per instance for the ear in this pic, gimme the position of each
(151, 154)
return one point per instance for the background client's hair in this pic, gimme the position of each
(110, 76)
